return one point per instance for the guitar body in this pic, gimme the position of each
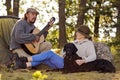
(34, 47)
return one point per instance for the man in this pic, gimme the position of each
(21, 34)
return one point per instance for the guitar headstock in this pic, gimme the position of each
(52, 20)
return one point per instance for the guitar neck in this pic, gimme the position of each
(52, 20)
(43, 30)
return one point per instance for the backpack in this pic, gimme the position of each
(103, 51)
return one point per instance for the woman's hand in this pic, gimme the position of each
(80, 61)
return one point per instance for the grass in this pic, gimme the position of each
(27, 75)
(18, 75)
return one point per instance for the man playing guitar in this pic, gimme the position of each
(24, 32)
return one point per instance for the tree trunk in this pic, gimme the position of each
(97, 17)
(81, 12)
(81, 16)
(8, 6)
(96, 26)
(118, 24)
(62, 28)
(16, 7)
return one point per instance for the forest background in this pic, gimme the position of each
(102, 17)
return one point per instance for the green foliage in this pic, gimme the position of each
(70, 33)
(116, 3)
(107, 16)
(53, 37)
(99, 6)
(71, 8)
(115, 44)
(105, 8)
(94, 7)
(71, 12)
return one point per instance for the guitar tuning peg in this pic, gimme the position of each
(52, 19)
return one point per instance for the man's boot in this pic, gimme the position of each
(18, 64)
(24, 59)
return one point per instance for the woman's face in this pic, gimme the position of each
(79, 36)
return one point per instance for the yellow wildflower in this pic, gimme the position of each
(39, 76)
(0, 76)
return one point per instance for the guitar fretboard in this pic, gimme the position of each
(43, 30)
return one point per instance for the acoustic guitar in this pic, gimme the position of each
(34, 47)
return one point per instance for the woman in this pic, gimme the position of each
(85, 50)
(85, 46)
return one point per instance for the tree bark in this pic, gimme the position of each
(16, 7)
(81, 12)
(8, 6)
(96, 26)
(62, 28)
(81, 16)
(97, 18)
(118, 24)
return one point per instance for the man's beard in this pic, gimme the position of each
(32, 22)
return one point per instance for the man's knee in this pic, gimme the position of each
(49, 45)
(45, 46)
(21, 53)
